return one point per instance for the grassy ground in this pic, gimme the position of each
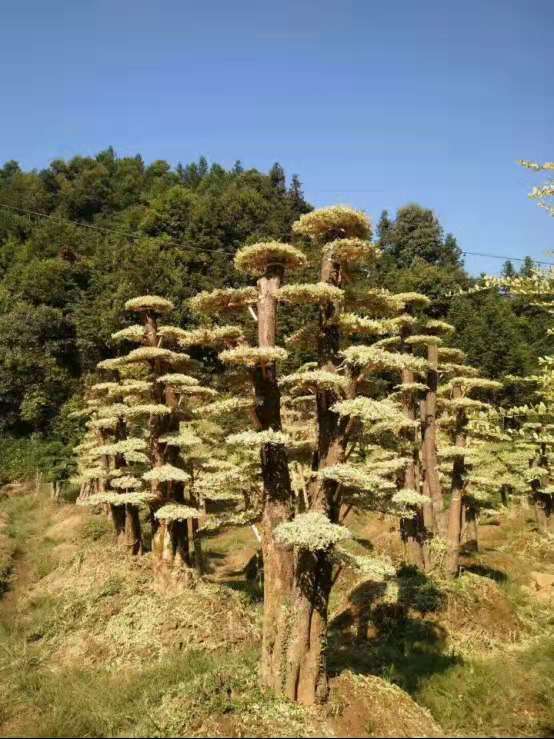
(90, 647)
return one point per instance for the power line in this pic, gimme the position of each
(102, 229)
(132, 235)
(509, 259)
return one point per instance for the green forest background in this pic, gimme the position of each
(81, 237)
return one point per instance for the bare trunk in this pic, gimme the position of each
(197, 546)
(118, 520)
(412, 530)
(429, 449)
(133, 534)
(543, 512)
(306, 671)
(171, 551)
(278, 560)
(470, 527)
(455, 511)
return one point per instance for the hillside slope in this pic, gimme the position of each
(92, 648)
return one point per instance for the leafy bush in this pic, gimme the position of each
(21, 458)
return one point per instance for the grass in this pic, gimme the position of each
(96, 528)
(96, 703)
(183, 689)
(505, 695)
(148, 671)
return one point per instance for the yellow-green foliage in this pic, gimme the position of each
(250, 356)
(130, 333)
(148, 409)
(223, 407)
(255, 258)
(257, 438)
(412, 298)
(166, 473)
(312, 531)
(224, 299)
(316, 293)
(149, 304)
(177, 379)
(350, 251)
(377, 359)
(313, 379)
(211, 336)
(335, 222)
(155, 353)
(176, 512)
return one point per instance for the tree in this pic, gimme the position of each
(542, 193)
(536, 419)
(417, 233)
(140, 229)
(508, 269)
(328, 415)
(527, 268)
(144, 431)
(277, 178)
(459, 406)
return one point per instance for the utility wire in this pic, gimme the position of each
(132, 235)
(509, 259)
(101, 229)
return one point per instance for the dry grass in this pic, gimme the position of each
(90, 647)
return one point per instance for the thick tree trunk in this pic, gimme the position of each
(470, 527)
(429, 449)
(543, 512)
(455, 511)
(118, 520)
(306, 671)
(412, 530)
(133, 534)
(171, 552)
(278, 560)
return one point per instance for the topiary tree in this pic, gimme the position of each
(458, 407)
(544, 193)
(536, 420)
(314, 439)
(116, 455)
(166, 405)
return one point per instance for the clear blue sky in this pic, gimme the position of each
(373, 103)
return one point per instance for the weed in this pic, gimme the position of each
(96, 528)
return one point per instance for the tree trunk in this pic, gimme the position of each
(470, 525)
(429, 449)
(543, 512)
(412, 530)
(455, 510)
(118, 520)
(306, 663)
(278, 560)
(171, 553)
(133, 534)
(411, 533)
(197, 546)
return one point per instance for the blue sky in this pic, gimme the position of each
(372, 103)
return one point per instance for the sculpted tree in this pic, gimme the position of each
(117, 455)
(145, 445)
(164, 412)
(536, 420)
(544, 193)
(458, 409)
(314, 441)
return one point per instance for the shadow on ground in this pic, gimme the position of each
(395, 638)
